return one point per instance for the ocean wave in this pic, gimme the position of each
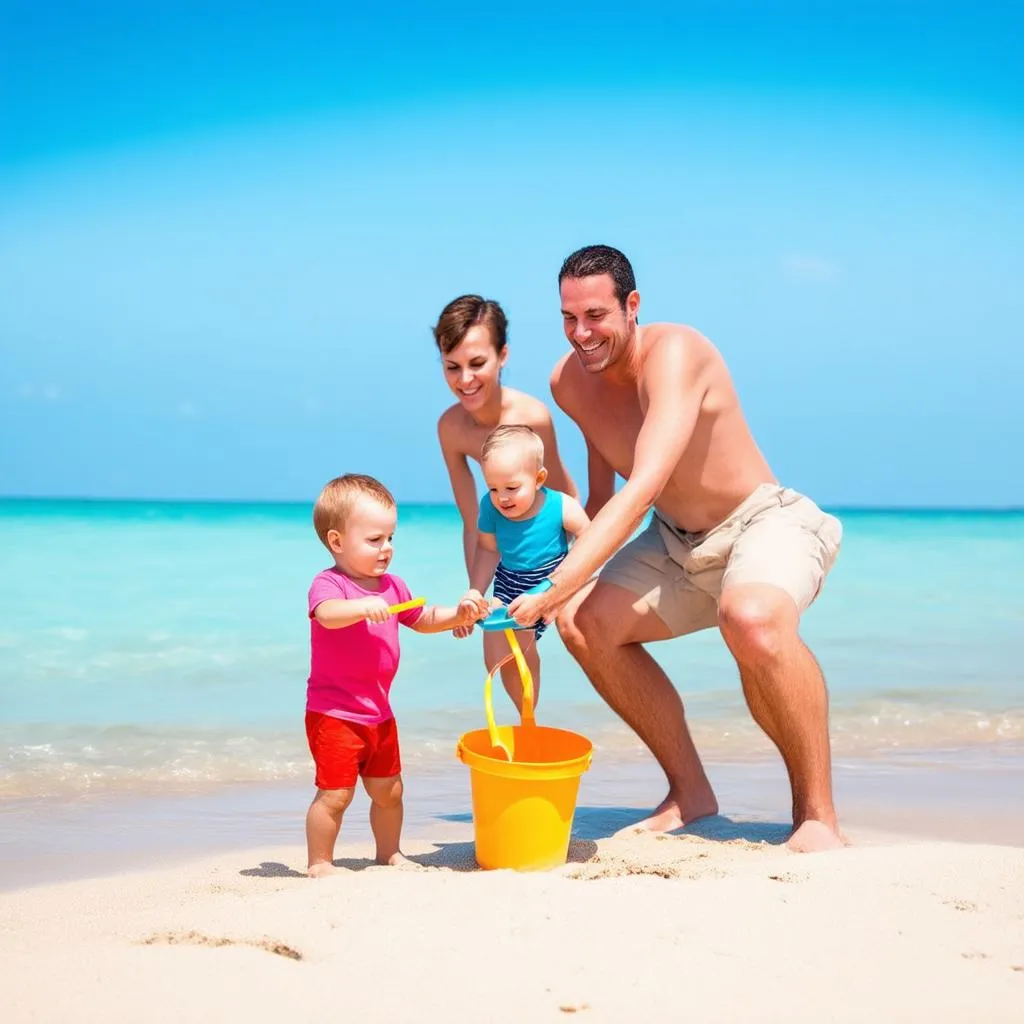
(47, 760)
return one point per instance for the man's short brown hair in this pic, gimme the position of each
(465, 312)
(514, 435)
(594, 260)
(337, 498)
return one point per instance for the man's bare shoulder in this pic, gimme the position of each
(678, 344)
(656, 335)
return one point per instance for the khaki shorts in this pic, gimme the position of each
(776, 536)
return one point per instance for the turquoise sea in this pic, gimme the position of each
(145, 643)
(161, 648)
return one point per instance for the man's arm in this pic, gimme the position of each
(669, 383)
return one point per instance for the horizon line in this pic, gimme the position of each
(292, 502)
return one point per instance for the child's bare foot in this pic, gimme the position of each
(323, 868)
(399, 860)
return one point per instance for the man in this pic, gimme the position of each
(726, 546)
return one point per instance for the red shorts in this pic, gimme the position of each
(343, 751)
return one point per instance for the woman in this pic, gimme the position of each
(471, 336)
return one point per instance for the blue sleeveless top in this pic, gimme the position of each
(527, 543)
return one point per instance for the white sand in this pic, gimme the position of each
(672, 929)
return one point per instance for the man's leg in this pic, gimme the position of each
(786, 694)
(604, 626)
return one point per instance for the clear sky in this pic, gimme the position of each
(227, 228)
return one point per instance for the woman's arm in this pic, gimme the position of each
(558, 475)
(485, 561)
(463, 490)
(574, 519)
(600, 481)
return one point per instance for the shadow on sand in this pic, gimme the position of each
(593, 823)
(589, 825)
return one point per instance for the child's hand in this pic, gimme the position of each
(461, 632)
(469, 610)
(375, 609)
(477, 605)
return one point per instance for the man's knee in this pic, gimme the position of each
(757, 622)
(581, 622)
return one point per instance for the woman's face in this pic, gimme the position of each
(473, 368)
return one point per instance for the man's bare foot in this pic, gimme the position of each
(399, 860)
(815, 837)
(673, 813)
(323, 868)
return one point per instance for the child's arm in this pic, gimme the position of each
(436, 619)
(336, 613)
(574, 519)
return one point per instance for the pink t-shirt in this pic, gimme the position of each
(351, 668)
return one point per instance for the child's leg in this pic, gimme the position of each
(386, 813)
(323, 821)
(496, 647)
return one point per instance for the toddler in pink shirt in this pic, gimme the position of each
(353, 659)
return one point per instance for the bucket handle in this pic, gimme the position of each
(527, 716)
(492, 729)
(525, 677)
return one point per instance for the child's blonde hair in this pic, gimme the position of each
(517, 436)
(337, 498)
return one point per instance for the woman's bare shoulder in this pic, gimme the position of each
(523, 408)
(451, 424)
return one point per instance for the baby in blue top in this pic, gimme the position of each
(524, 531)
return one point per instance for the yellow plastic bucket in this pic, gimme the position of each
(523, 803)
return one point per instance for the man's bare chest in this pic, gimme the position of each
(611, 423)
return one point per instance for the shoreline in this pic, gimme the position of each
(61, 840)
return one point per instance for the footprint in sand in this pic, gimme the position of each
(195, 938)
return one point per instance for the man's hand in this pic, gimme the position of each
(375, 609)
(530, 608)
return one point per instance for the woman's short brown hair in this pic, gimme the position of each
(465, 312)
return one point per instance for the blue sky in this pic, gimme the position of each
(226, 229)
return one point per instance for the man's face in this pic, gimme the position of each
(597, 327)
